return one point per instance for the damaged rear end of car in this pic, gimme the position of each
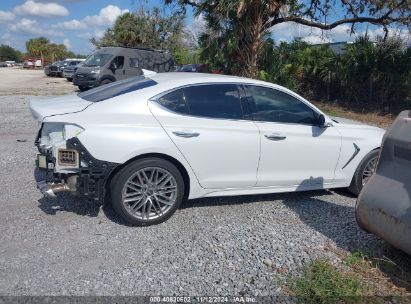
(65, 163)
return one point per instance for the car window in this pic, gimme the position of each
(174, 101)
(117, 88)
(133, 63)
(214, 101)
(118, 62)
(272, 105)
(97, 60)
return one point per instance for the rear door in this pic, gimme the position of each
(207, 125)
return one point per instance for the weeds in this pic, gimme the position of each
(359, 277)
(321, 282)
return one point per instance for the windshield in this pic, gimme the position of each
(97, 60)
(117, 88)
(188, 68)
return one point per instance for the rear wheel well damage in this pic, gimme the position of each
(172, 160)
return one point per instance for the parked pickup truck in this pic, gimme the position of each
(384, 204)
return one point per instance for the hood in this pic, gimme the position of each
(88, 69)
(46, 106)
(344, 123)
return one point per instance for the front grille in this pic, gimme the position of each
(67, 157)
(54, 68)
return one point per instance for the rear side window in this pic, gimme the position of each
(276, 106)
(117, 88)
(174, 101)
(214, 101)
(133, 63)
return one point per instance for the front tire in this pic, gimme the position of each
(147, 191)
(364, 172)
(105, 81)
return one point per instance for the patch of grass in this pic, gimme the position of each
(356, 260)
(362, 278)
(321, 282)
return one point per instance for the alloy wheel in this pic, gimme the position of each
(369, 169)
(150, 193)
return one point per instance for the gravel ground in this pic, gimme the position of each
(214, 246)
(19, 81)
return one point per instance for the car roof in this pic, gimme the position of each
(176, 79)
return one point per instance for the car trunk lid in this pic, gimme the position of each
(43, 107)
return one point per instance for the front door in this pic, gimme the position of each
(118, 68)
(206, 124)
(295, 150)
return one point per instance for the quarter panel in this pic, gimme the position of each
(120, 129)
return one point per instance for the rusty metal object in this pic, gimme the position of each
(384, 205)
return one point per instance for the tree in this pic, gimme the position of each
(250, 21)
(145, 28)
(9, 53)
(56, 52)
(37, 47)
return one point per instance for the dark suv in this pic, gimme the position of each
(71, 68)
(110, 64)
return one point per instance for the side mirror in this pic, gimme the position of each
(321, 121)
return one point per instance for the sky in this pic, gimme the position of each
(74, 22)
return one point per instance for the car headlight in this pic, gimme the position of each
(95, 72)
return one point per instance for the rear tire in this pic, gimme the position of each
(365, 168)
(147, 191)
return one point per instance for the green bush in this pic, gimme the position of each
(368, 76)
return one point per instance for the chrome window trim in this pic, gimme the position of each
(156, 97)
(240, 85)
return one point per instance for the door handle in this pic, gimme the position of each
(275, 137)
(186, 134)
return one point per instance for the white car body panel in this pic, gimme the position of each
(42, 107)
(229, 157)
(308, 155)
(224, 155)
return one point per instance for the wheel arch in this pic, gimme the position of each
(360, 161)
(353, 187)
(109, 77)
(175, 162)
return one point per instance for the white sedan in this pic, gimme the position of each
(148, 143)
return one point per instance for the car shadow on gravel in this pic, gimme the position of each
(245, 199)
(66, 202)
